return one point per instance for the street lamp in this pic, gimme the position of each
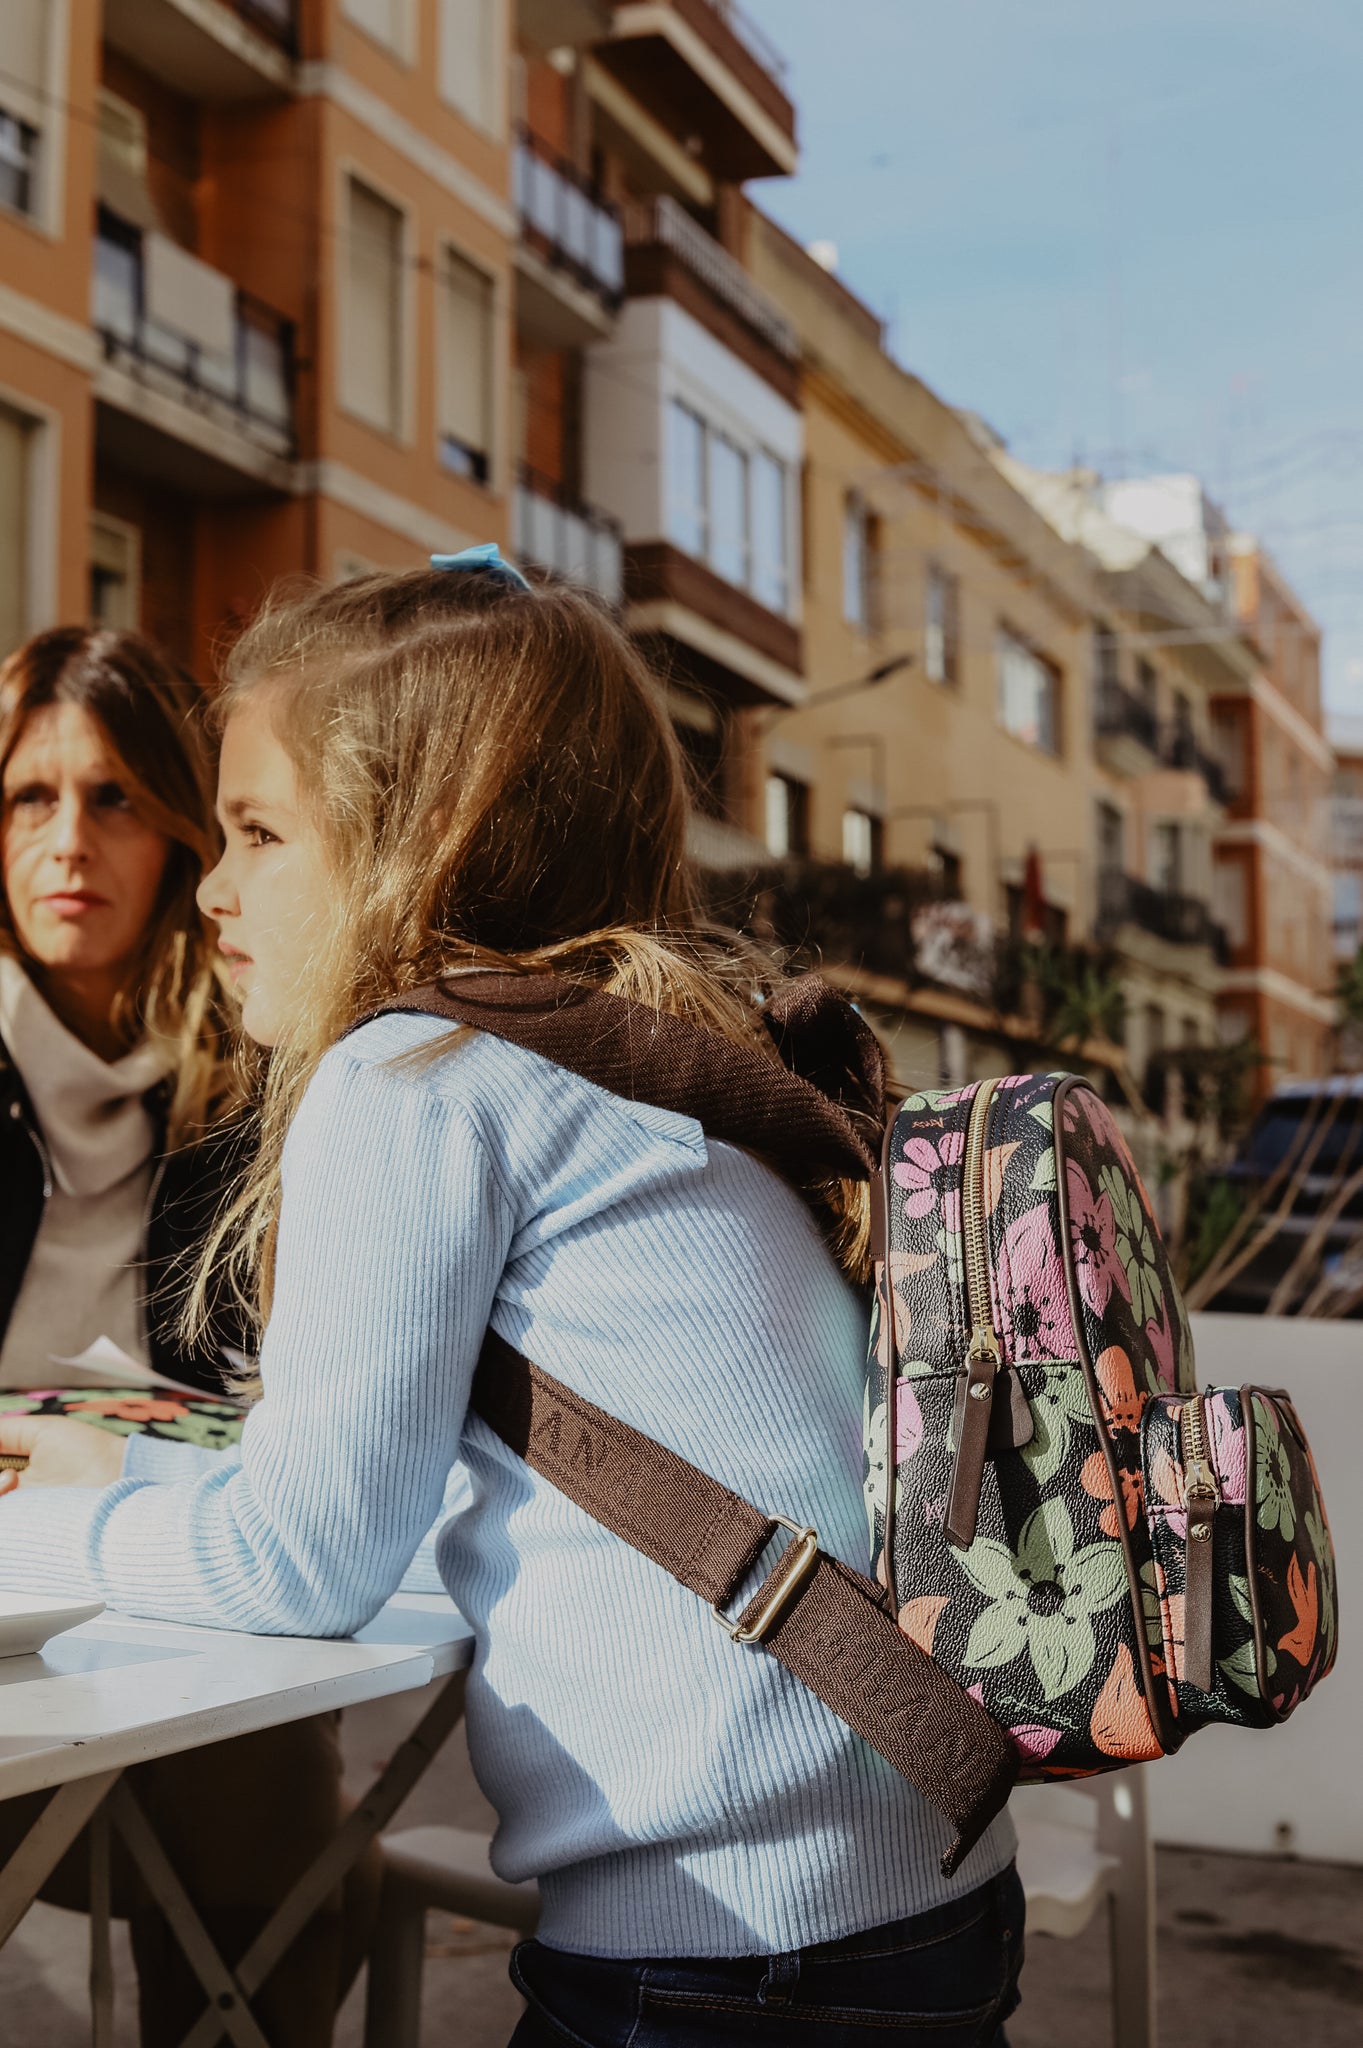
(881, 673)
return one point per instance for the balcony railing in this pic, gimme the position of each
(574, 540)
(663, 223)
(1181, 750)
(1183, 920)
(755, 40)
(1123, 715)
(249, 388)
(565, 217)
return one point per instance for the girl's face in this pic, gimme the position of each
(82, 871)
(270, 892)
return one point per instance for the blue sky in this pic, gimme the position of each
(1131, 234)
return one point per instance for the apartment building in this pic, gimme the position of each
(1160, 650)
(945, 732)
(259, 274)
(1273, 856)
(1345, 735)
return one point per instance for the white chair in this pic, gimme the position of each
(445, 1868)
(1078, 1845)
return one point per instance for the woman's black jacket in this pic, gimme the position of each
(187, 1189)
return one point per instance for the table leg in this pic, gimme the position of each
(407, 1765)
(231, 2014)
(101, 1954)
(46, 1842)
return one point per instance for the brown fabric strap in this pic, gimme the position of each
(807, 1129)
(830, 1628)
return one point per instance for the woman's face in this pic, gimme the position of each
(82, 871)
(270, 892)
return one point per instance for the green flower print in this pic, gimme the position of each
(1135, 1245)
(1043, 1599)
(1314, 1524)
(1061, 1401)
(1273, 1475)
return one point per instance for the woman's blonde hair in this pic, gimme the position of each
(150, 714)
(493, 778)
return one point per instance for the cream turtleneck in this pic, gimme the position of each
(81, 1281)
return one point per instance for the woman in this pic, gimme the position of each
(112, 1066)
(419, 772)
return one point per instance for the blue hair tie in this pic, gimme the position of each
(489, 559)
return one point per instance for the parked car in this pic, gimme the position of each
(1302, 1115)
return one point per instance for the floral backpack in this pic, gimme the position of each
(1105, 1557)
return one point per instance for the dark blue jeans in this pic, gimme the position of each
(948, 1978)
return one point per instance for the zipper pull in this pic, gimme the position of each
(1201, 1498)
(970, 1426)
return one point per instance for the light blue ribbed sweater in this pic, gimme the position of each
(674, 1793)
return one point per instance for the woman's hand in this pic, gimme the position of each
(60, 1451)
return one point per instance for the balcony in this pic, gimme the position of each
(570, 270)
(576, 541)
(196, 382)
(218, 51)
(703, 69)
(1126, 729)
(1179, 749)
(669, 255)
(1180, 920)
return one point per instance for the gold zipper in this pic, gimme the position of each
(984, 1340)
(974, 1401)
(1201, 1498)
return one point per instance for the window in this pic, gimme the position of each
(700, 728)
(858, 564)
(115, 565)
(24, 107)
(373, 339)
(15, 439)
(1147, 685)
(949, 871)
(1166, 848)
(1107, 667)
(787, 816)
(466, 357)
(1028, 694)
(941, 634)
(687, 523)
(862, 841)
(385, 20)
(1111, 839)
(770, 533)
(727, 506)
(469, 37)
(728, 511)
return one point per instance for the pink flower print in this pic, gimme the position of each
(921, 1171)
(1160, 1338)
(1034, 1312)
(908, 1422)
(1228, 1450)
(1031, 1740)
(1093, 1243)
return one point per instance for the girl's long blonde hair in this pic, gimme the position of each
(151, 716)
(494, 779)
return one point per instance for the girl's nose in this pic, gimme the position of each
(213, 896)
(71, 827)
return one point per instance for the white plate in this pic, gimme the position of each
(27, 1620)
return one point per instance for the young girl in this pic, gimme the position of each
(419, 772)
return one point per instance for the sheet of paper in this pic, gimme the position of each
(106, 1364)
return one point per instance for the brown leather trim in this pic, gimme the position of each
(1166, 1727)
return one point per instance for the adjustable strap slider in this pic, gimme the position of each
(780, 1586)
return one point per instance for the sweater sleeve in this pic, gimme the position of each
(392, 1238)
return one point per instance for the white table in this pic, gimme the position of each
(118, 1690)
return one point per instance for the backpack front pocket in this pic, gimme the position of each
(1240, 1595)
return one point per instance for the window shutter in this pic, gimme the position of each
(373, 320)
(466, 360)
(14, 523)
(23, 85)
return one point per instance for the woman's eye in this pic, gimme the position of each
(111, 796)
(256, 835)
(28, 795)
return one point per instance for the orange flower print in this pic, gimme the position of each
(1300, 1642)
(130, 1409)
(1117, 1384)
(1097, 1481)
